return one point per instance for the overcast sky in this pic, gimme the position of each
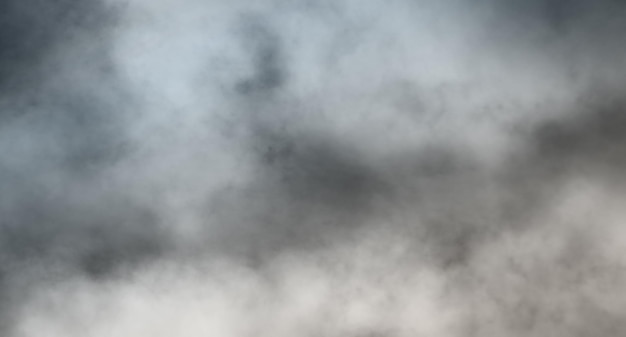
(280, 168)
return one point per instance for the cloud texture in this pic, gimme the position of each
(312, 168)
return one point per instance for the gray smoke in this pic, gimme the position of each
(312, 168)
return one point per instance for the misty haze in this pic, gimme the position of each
(314, 168)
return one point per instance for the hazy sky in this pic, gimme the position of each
(368, 168)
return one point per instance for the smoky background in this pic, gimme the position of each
(313, 168)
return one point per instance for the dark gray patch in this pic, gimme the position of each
(591, 140)
(268, 58)
(319, 170)
(32, 29)
(99, 237)
(113, 250)
(587, 142)
(309, 192)
(62, 127)
(559, 15)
